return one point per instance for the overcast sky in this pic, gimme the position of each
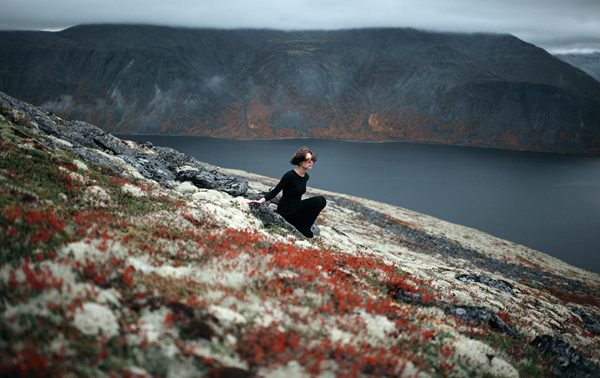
(552, 24)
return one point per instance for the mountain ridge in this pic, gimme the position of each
(587, 62)
(373, 84)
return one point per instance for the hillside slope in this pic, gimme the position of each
(113, 265)
(366, 84)
(588, 63)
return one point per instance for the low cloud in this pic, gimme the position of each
(573, 51)
(548, 23)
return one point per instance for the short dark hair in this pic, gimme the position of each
(300, 155)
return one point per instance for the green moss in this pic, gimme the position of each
(10, 116)
(33, 193)
(29, 172)
(36, 182)
(525, 358)
(529, 368)
(139, 205)
(122, 201)
(277, 230)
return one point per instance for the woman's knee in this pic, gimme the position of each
(322, 201)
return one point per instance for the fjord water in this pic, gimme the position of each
(548, 202)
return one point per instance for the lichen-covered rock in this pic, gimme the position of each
(480, 315)
(570, 362)
(268, 217)
(501, 285)
(592, 323)
(485, 358)
(96, 196)
(94, 319)
(213, 179)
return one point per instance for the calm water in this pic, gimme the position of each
(544, 201)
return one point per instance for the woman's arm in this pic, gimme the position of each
(273, 193)
(260, 201)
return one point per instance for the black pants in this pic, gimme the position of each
(306, 213)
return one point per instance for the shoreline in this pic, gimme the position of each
(546, 152)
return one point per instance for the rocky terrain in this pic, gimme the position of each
(365, 84)
(126, 259)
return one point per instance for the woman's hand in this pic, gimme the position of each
(256, 202)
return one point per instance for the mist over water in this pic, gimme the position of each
(544, 201)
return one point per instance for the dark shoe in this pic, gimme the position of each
(307, 233)
(315, 230)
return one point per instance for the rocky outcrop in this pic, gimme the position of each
(213, 179)
(269, 217)
(132, 272)
(369, 84)
(161, 164)
(571, 363)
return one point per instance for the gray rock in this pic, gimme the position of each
(175, 159)
(466, 313)
(591, 323)
(408, 297)
(315, 230)
(569, 362)
(480, 315)
(93, 156)
(88, 135)
(501, 285)
(214, 179)
(268, 217)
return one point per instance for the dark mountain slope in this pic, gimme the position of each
(588, 63)
(366, 84)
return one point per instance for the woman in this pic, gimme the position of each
(300, 213)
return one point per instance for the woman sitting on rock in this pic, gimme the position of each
(298, 212)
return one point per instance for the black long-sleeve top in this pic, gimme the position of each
(293, 186)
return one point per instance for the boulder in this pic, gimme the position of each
(271, 218)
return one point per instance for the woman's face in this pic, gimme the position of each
(307, 163)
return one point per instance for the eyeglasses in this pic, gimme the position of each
(311, 159)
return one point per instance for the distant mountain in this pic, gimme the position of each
(365, 84)
(588, 63)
